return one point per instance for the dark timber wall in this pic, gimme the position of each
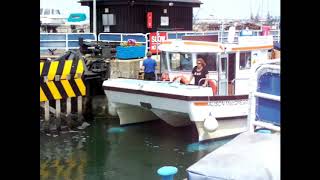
(133, 18)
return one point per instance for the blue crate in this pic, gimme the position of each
(130, 52)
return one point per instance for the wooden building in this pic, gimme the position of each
(142, 16)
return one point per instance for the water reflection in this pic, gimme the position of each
(106, 151)
(61, 159)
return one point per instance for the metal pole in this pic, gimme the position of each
(94, 17)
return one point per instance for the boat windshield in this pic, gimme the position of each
(163, 59)
(179, 61)
(56, 12)
(210, 59)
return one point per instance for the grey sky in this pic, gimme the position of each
(233, 9)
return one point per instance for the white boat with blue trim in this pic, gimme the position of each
(215, 115)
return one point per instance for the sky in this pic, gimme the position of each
(210, 9)
(236, 9)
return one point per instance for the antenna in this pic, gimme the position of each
(262, 15)
(194, 17)
(268, 7)
(251, 10)
(257, 16)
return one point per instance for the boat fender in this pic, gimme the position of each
(182, 80)
(213, 86)
(210, 123)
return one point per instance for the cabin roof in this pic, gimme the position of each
(201, 46)
(196, 3)
(190, 46)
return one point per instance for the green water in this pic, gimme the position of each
(106, 151)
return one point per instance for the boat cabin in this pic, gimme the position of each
(228, 64)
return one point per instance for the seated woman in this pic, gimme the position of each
(200, 71)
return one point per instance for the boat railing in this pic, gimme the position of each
(215, 81)
(202, 79)
(236, 79)
(225, 82)
(263, 110)
(206, 79)
(64, 41)
(222, 34)
(67, 41)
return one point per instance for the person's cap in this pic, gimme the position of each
(149, 53)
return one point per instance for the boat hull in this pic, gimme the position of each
(227, 127)
(133, 114)
(134, 106)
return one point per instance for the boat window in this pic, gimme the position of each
(180, 61)
(41, 10)
(210, 59)
(223, 64)
(57, 12)
(163, 59)
(245, 60)
(46, 11)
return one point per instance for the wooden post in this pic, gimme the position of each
(46, 111)
(79, 105)
(68, 113)
(46, 115)
(68, 106)
(58, 114)
(58, 108)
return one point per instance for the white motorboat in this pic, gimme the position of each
(215, 115)
(51, 17)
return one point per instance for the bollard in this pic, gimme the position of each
(167, 172)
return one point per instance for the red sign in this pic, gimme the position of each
(149, 20)
(162, 36)
(266, 30)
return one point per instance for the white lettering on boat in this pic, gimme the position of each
(228, 103)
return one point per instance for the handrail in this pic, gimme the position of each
(235, 79)
(206, 79)
(233, 82)
(207, 84)
(222, 35)
(62, 40)
(267, 96)
(252, 116)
